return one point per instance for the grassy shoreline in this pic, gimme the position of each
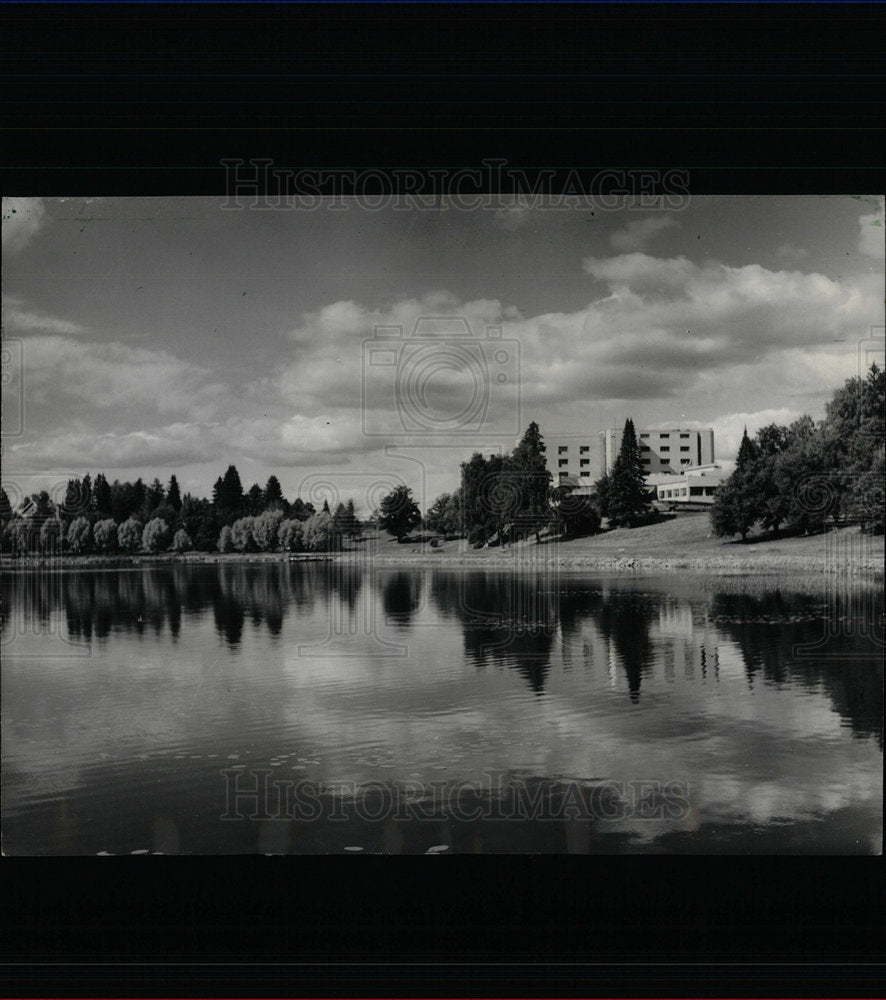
(684, 544)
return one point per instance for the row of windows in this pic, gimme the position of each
(583, 449)
(666, 434)
(694, 491)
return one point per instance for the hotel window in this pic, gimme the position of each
(684, 435)
(564, 473)
(644, 447)
(665, 435)
(563, 461)
(684, 461)
(562, 448)
(647, 461)
(584, 449)
(586, 474)
(644, 435)
(585, 461)
(665, 447)
(684, 447)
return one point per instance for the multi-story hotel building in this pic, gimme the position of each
(671, 449)
(587, 457)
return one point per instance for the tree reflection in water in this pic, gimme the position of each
(830, 641)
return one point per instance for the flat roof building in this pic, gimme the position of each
(590, 456)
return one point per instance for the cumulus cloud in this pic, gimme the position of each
(636, 235)
(18, 319)
(296, 443)
(662, 325)
(103, 376)
(22, 220)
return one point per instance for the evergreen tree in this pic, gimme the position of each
(273, 495)
(228, 496)
(747, 451)
(528, 463)
(173, 495)
(736, 507)
(254, 500)
(75, 503)
(102, 498)
(628, 497)
(138, 494)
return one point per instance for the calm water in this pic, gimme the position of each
(321, 708)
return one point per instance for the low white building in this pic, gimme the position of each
(694, 485)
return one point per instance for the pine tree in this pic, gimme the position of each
(628, 497)
(102, 497)
(173, 495)
(273, 495)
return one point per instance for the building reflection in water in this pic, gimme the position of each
(531, 623)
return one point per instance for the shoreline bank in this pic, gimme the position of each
(521, 560)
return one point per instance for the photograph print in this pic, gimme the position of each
(442, 522)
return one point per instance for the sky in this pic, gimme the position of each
(158, 336)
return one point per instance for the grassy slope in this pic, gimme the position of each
(685, 541)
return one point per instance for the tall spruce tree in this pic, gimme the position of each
(173, 495)
(533, 480)
(273, 495)
(737, 505)
(628, 495)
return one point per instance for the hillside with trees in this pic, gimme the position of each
(801, 477)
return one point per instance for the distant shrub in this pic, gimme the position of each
(156, 536)
(105, 535)
(290, 536)
(225, 544)
(182, 541)
(129, 535)
(242, 535)
(79, 535)
(265, 529)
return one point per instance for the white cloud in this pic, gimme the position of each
(22, 220)
(17, 318)
(636, 235)
(102, 376)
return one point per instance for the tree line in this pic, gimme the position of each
(98, 516)
(802, 476)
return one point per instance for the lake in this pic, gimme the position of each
(327, 708)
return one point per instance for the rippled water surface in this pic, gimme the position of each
(320, 708)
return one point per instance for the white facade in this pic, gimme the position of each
(579, 455)
(670, 449)
(696, 485)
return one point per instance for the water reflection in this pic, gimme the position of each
(766, 700)
(506, 621)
